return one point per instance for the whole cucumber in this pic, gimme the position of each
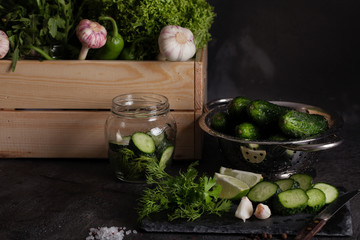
(237, 108)
(247, 131)
(265, 113)
(220, 122)
(300, 124)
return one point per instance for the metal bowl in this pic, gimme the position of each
(274, 159)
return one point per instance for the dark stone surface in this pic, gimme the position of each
(340, 225)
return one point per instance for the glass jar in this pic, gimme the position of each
(139, 130)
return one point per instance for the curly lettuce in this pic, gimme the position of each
(140, 21)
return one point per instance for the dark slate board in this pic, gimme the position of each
(339, 225)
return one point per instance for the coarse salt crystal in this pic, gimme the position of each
(105, 233)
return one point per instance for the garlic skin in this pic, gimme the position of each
(91, 35)
(4, 44)
(176, 43)
(262, 211)
(245, 209)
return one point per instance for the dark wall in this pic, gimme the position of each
(302, 51)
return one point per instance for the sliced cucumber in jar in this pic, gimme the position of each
(166, 156)
(143, 143)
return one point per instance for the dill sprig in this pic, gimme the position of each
(185, 196)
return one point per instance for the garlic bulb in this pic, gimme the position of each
(176, 43)
(4, 44)
(245, 209)
(262, 211)
(91, 35)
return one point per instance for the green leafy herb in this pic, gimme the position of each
(36, 25)
(131, 165)
(185, 196)
(142, 21)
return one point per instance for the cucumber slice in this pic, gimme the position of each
(291, 201)
(286, 184)
(331, 192)
(166, 156)
(317, 200)
(263, 191)
(143, 142)
(305, 181)
(157, 135)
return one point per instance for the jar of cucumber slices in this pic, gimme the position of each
(140, 130)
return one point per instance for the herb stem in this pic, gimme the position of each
(41, 52)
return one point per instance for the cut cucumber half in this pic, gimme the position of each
(317, 200)
(291, 201)
(331, 192)
(286, 184)
(143, 142)
(304, 180)
(262, 191)
(166, 156)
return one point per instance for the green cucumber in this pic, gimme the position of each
(305, 181)
(331, 192)
(291, 201)
(247, 131)
(317, 200)
(143, 143)
(300, 125)
(286, 184)
(265, 113)
(220, 122)
(263, 191)
(237, 108)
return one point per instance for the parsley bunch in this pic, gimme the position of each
(185, 196)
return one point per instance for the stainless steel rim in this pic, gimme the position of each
(324, 141)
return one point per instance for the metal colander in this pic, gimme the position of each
(274, 159)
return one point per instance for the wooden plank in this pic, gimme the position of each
(92, 84)
(200, 93)
(72, 134)
(200, 74)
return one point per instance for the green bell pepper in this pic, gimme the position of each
(114, 44)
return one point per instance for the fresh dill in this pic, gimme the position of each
(185, 196)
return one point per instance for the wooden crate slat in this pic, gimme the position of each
(92, 84)
(71, 134)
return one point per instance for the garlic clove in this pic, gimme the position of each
(262, 211)
(245, 209)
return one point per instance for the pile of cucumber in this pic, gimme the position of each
(131, 155)
(262, 120)
(293, 195)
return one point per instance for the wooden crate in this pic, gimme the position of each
(57, 109)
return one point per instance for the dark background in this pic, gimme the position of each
(302, 51)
